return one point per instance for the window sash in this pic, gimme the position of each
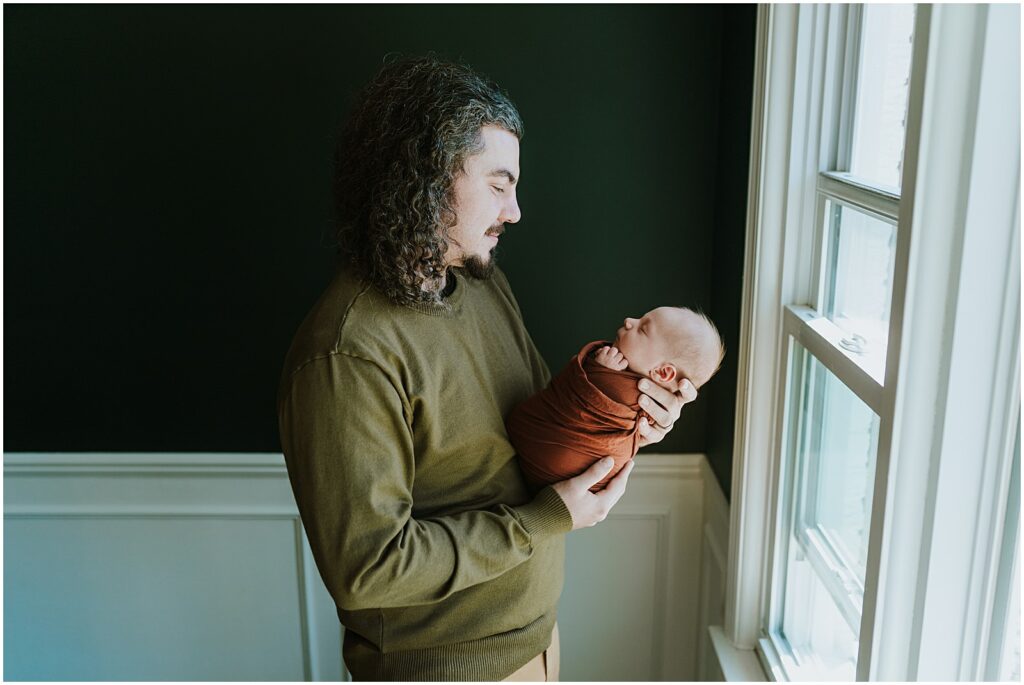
(806, 325)
(815, 543)
(819, 338)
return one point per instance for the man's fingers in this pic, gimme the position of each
(663, 405)
(596, 472)
(688, 392)
(650, 434)
(661, 416)
(588, 508)
(659, 394)
(617, 485)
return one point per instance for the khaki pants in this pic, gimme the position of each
(542, 668)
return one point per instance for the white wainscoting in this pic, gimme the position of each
(160, 567)
(714, 562)
(629, 607)
(195, 567)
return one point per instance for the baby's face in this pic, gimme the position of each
(649, 342)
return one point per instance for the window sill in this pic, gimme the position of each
(736, 665)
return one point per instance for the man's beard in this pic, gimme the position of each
(477, 268)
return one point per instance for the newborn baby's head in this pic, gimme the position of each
(670, 344)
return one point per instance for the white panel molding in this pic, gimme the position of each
(661, 488)
(663, 506)
(666, 491)
(147, 485)
(714, 567)
(681, 466)
(716, 517)
(177, 486)
(660, 517)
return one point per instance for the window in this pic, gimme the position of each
(876, 478)
(837, 341)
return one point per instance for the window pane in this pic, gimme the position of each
(839, 451)
(823, 645)
(882, 85)
(832, 448)
(861, 259)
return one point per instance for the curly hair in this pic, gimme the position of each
(398, 155)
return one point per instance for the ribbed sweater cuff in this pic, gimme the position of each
(546, 515)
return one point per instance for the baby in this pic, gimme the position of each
(591, 408)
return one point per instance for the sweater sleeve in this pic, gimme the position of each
(349, 451)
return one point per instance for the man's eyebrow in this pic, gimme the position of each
(506, 173)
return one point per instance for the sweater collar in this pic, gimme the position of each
(451, 305)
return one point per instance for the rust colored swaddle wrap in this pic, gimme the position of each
(587, 412)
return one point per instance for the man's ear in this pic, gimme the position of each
(664, 374)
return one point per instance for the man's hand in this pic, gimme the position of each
(611, 358)
(663, 406)
(588, 508)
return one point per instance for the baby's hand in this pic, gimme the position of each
(611, 358)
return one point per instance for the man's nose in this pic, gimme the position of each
(510, 213)
(628, 323)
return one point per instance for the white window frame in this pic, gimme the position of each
(950, 396)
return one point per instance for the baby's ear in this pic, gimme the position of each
(665, 374)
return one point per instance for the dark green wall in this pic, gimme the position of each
(726, 277)
(167, 199)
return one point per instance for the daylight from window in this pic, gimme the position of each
(863, 252)
(883, 81)
(834, 446)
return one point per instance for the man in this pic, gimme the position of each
(441, 562)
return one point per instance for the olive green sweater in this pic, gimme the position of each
(442, 564)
